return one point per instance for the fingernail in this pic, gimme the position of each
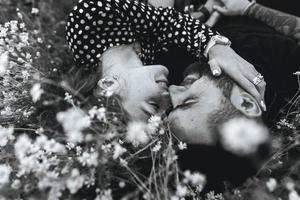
(263, 105)
(216, 72)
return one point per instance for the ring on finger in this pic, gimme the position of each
(257, 79)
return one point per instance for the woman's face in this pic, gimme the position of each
(145, 91)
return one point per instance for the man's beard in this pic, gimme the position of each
(222, 115)
(214, 161)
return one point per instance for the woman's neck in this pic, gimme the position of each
(119, 59)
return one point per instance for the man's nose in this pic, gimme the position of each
(176, 94)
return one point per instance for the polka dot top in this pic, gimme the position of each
(96, 25)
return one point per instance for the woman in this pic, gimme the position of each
(104, 31)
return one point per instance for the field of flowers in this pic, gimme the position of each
(58, 143)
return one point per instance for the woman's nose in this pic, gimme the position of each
(176, 94)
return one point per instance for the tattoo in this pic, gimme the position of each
(284, 23)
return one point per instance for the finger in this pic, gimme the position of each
(262, 89)
(261, 86)
(250, 73)
(215, 68)
(222, 10)
(250, 87)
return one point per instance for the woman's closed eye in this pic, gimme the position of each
(154, 105)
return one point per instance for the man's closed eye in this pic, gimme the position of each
(187, 103)
(188, 81)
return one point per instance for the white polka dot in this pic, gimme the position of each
(99, 3)
(86, 47)
(82, 21)
(80, 10)
(86, 5)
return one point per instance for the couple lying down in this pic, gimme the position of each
(127, 41)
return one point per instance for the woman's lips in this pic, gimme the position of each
(163, 84)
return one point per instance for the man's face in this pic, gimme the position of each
(194, 103)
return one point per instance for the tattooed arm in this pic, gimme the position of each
(284, 23)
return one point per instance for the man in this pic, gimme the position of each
(202, 104)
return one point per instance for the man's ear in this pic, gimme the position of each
(244, 102)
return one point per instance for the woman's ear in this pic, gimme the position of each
(108, 86)
(244, 102)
